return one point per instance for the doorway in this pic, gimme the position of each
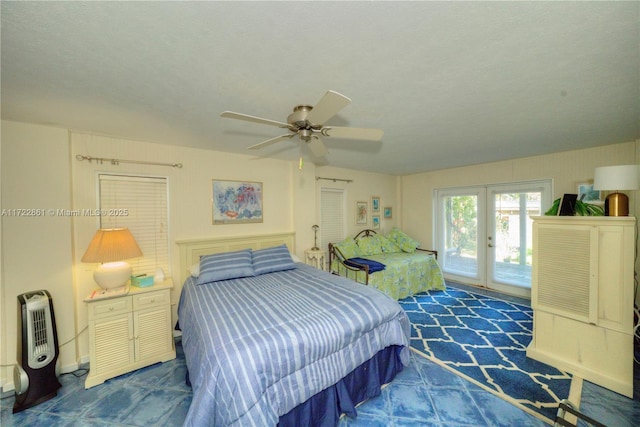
(484, 233)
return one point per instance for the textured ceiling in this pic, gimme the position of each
(450, 83)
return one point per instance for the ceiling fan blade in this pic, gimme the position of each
(353, 133)
(317, 147)
(327, 107)
(270, 141)
(248, 118)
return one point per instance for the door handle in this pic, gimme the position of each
(490, 245)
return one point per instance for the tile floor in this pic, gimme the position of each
(423, 394)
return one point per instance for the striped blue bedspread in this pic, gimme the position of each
(259, 346)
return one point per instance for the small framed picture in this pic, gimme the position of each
(375, 204)
(362, 211)
(375, 222)
(387, 212)
(586, 193)
(567, 205)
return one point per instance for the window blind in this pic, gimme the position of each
(140, 204)
(332, 216)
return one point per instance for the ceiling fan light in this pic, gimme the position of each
(308, 121)
(305, 134)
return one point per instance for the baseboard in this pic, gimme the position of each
(7, 390)
(69, 368)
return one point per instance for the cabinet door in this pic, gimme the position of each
(112, 343)
(564, 276)
(152, 332)
(615, 278)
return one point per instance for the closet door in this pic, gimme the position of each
(332, 217)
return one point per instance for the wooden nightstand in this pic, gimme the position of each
(129, 331)
(315, 258)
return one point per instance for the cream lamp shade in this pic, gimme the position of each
(616, 178)
(111, 246)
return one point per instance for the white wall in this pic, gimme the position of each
(3, 318)
(36, 250)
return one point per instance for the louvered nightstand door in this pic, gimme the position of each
(110, 336)
(129, 332)
(152, 324)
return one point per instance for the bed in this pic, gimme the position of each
(288, 346)
(393, 264)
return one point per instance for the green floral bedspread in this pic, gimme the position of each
(405, 273)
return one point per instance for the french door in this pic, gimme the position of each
(484, 233)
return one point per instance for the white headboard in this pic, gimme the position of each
(192, 249)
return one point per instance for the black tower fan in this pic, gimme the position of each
(35, 375)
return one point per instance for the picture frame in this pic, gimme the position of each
(236, 202)
(387, 212)
(567, 205)
(375, 222)
(375, 204)
(587, 194)
(362, 212)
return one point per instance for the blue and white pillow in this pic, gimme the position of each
(272, 259)
(224, 266)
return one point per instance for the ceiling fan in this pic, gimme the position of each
(308, 122)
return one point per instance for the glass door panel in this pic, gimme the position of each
(459, 235)
(512, 242)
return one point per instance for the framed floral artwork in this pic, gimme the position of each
(362, 211)
(236, 202)
(375, 222)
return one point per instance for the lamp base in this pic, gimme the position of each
(616, 204)
(112, 275)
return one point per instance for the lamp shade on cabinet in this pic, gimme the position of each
(111, 246)
(616, 178)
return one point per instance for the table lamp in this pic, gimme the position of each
(111, 246)
(616, 178)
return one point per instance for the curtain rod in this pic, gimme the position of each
(80, 157)
(334, 179)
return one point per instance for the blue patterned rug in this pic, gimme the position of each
(484, 340)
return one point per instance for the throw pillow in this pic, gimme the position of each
(272, 259)
(387, 245)
(406, 243)
(369, 245)
(349, 248)
(226, 265)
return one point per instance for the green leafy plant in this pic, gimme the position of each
(582, 209)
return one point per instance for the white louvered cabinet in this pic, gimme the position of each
(582, 297)
(129, 332)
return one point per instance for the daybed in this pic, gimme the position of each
(393, 264)
(270, 341)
